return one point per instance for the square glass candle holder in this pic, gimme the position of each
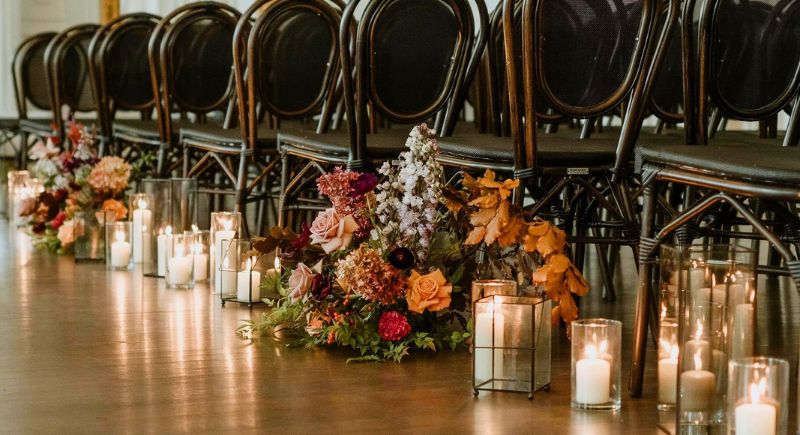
(201, 251)
(141, 216)
(225, 226)
(90, 237)
(16, 180)
(511, 346)
(758, 396)
(180, 261)
(596, 364)
(119, 250)
(240, 273)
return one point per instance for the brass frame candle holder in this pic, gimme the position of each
(511, 342)
(225, 226)
(596, 357)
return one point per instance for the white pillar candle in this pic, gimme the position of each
(697, 346)
(200, 267)
(161, 247)
(697, 387)
(592, 378)
(120, 251)
(141, 241)
(668, 377)
(697, 278)
(483, 339)
(179, 268)
(743, 330)
(755, 417)
(247, 281)
(223, 280)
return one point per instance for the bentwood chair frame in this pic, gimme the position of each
(748, 195)
(362, 47)
(68, 74)
(120, 72)
(31, 90)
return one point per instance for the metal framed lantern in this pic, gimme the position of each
(511, 342)
(225, 226)
(241, 272)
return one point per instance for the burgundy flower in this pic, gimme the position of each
(38, 228)
(60, 195)
(321, 286)
(58, 220)
(401, 258)
(363, 184)
(393, 326)
(303, 239)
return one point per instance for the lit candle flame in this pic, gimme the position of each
(120, 236)
(198, 248)
(699, 331)
(673, 352)
(142, 203)
(591, 351)
(168, 230)
(227, 224)
(195, 229)
(758, 390)
(277, 263)
(698, 362)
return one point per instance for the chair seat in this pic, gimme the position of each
(386, 144)
(215, 134)
(147, 129)
(553, 150)
(761, 163)
(37, 126)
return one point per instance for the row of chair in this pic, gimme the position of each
(257, 104)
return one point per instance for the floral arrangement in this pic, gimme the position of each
(384, 271)
(74, 180)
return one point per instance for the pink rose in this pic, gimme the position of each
(65, 234)
(332, 231)
(300, 281)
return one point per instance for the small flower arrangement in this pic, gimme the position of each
(384, 270)
(74, 180)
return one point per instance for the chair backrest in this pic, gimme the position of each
(409, 57)
(584, 57)
(749, 57)
(121, 69)
(191, 60)
(30, 74)
(68, 62)
(290, 49)
(666, 101)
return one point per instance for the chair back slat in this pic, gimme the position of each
(30, 75)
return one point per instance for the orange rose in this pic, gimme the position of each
(115, 206)
(431, 292)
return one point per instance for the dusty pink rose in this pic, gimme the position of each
(332, 231)
(65, 233)
(300, 281)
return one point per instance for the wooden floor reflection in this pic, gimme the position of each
(90, 351)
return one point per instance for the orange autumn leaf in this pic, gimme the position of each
(470, 183)
(453, 199)
(475, 236)
(559, 263)
(576, 283)
(569, 311)
(485, 201)
(498, 223)
(511, 232)
(482, 217)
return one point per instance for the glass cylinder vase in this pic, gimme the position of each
(183, 203)
(89, 230)
(119, 251)
(201, 250)
(511, 346)
(180, 261)
(16, 180)
(225, 226)
(668, 351)
(140, 206)
(758, 396)
(159, 192)
(240, 273)
(596, 364)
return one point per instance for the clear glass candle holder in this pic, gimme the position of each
(23, 196)
(90, 237)
(225, 226)
(758, 396)
(596, 364)
(511, 346)
(201, 250)
(241, 273)
(119, 246)
(16, 180)
(180, 261)
(141, 215)
(668, 352)
(183, 202)
(159, 191)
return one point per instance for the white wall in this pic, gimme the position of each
(10, 37)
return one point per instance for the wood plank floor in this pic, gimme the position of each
(83, 350)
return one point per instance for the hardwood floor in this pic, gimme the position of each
(90, 351)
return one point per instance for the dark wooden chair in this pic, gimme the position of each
(31, 91)
(120, 72)
(400, 63)
(732, 74)
(67, 71)
(286, 65)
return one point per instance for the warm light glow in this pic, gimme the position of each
(277, 263)
(227, 224)
(591, 351)
(698, 362)
(119, 236)
(195, 229)
(758, 390)
(142, 203)
(699, 331)
(197, 248)
(168, 230)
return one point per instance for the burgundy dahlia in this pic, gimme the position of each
(58, 220)
(321, 286)
(393, 326)
(363, 184)
(401, 258)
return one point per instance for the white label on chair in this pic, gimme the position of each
(577, 171)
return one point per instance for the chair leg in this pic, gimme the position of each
(643, 297)
(241, 194)
(22, 160)
(284, 183)
(609, 292)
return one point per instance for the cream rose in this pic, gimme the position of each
(65, 233)
(332, 231)
(431, 292)
(300, 281)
